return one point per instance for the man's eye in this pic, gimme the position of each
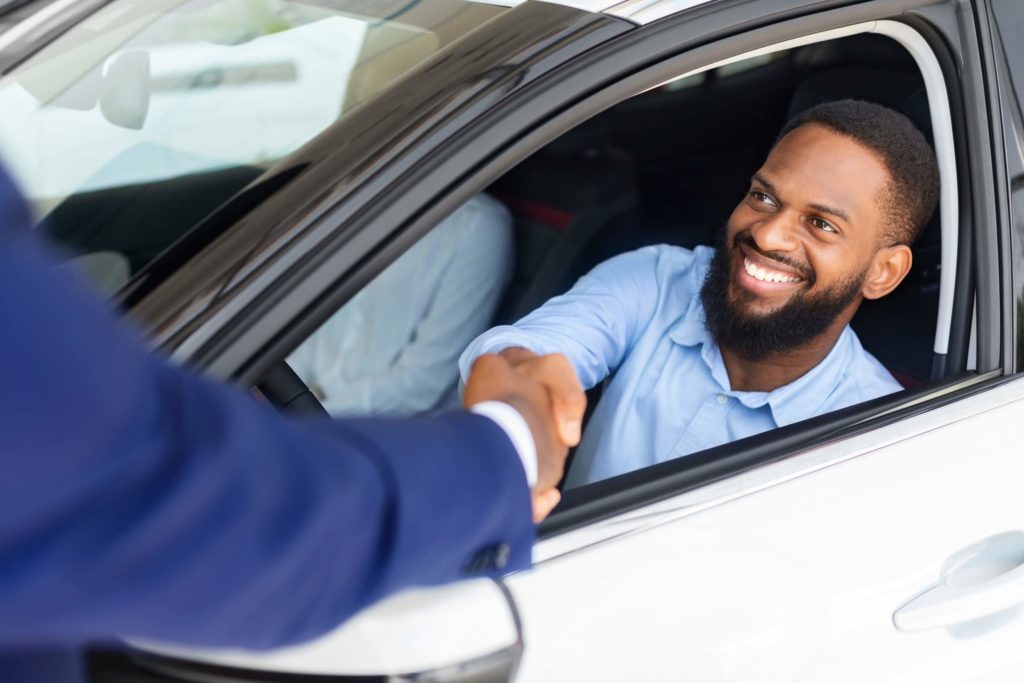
(762, 198)
(824, 226)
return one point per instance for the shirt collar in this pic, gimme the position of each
(798, 400)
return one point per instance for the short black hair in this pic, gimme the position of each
(913, 170)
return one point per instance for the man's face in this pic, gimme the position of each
(798, 247)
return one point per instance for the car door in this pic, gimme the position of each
(893, 556)
(896, 554)
(880, 544)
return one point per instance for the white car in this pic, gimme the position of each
(884, 542)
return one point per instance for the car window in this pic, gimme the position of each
(394, 347)
(136, 123)
(675, 162)
(723, 71)
(648, 183)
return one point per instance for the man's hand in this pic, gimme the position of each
(551, 403)
(493, 378)
(555, 372)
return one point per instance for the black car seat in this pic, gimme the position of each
(560, 197)
(899, 329)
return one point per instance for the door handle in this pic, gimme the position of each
(982, 580)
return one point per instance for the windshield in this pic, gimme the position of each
(131, 127)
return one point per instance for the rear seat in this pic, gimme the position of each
(560, 198)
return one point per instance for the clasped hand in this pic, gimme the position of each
(547, 393)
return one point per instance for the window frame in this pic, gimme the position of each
(461, 171)
(1008, 79)
(618, 496)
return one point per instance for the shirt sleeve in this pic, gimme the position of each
(468, 292)
(140, 499)
(595, 324)
(518, 431)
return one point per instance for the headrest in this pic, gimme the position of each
(897, 90)
(588, 137)
(865, 49)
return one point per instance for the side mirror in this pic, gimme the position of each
(124, 99)
(462, 632)
(122, 93)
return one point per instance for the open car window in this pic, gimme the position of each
(394, 347)
(666, 167)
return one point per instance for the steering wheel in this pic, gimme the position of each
(283, 388)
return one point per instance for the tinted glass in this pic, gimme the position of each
(139, 121)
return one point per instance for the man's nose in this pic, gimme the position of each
(776, 232)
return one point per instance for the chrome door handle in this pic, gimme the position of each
(983, 580)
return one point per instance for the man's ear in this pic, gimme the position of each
(888, 268)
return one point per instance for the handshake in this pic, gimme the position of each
(547, 393)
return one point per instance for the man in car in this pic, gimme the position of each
(706, 346)
(392, 349)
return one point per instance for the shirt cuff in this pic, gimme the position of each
(514, 425)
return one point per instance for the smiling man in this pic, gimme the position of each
(712, 345)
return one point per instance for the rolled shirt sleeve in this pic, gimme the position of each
(595, 324)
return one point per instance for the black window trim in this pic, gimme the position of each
(452, 178)
(1006, 123)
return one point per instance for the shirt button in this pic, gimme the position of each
(488, 559)
(501, 556)
(722, 398)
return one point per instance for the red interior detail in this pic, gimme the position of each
(906, 380)
(538, 213)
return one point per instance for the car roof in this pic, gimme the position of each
(637, 11)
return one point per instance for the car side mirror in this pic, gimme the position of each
(122, 90)
(458, 633)
(124, 99)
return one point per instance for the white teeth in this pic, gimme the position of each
(765, 275)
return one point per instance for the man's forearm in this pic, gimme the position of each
(141, 499)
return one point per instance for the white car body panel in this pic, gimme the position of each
(789, 573)
(797, 581)
(794, 571)
(417, 630)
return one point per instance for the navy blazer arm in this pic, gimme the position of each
(140, 499)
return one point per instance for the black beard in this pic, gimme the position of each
(756, 337)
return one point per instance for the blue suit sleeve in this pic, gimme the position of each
(140, 499)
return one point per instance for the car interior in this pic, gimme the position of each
(669, 165)
(665, 166)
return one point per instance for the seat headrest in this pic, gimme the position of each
(901, 91)
(588, 137)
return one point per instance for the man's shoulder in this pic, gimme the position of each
(676, 256)
(666, 261)
(864, 376)
(482, 213)
(668, 276)
(681, 271)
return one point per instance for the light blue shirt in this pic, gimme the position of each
(639, 316)
(393, 347)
